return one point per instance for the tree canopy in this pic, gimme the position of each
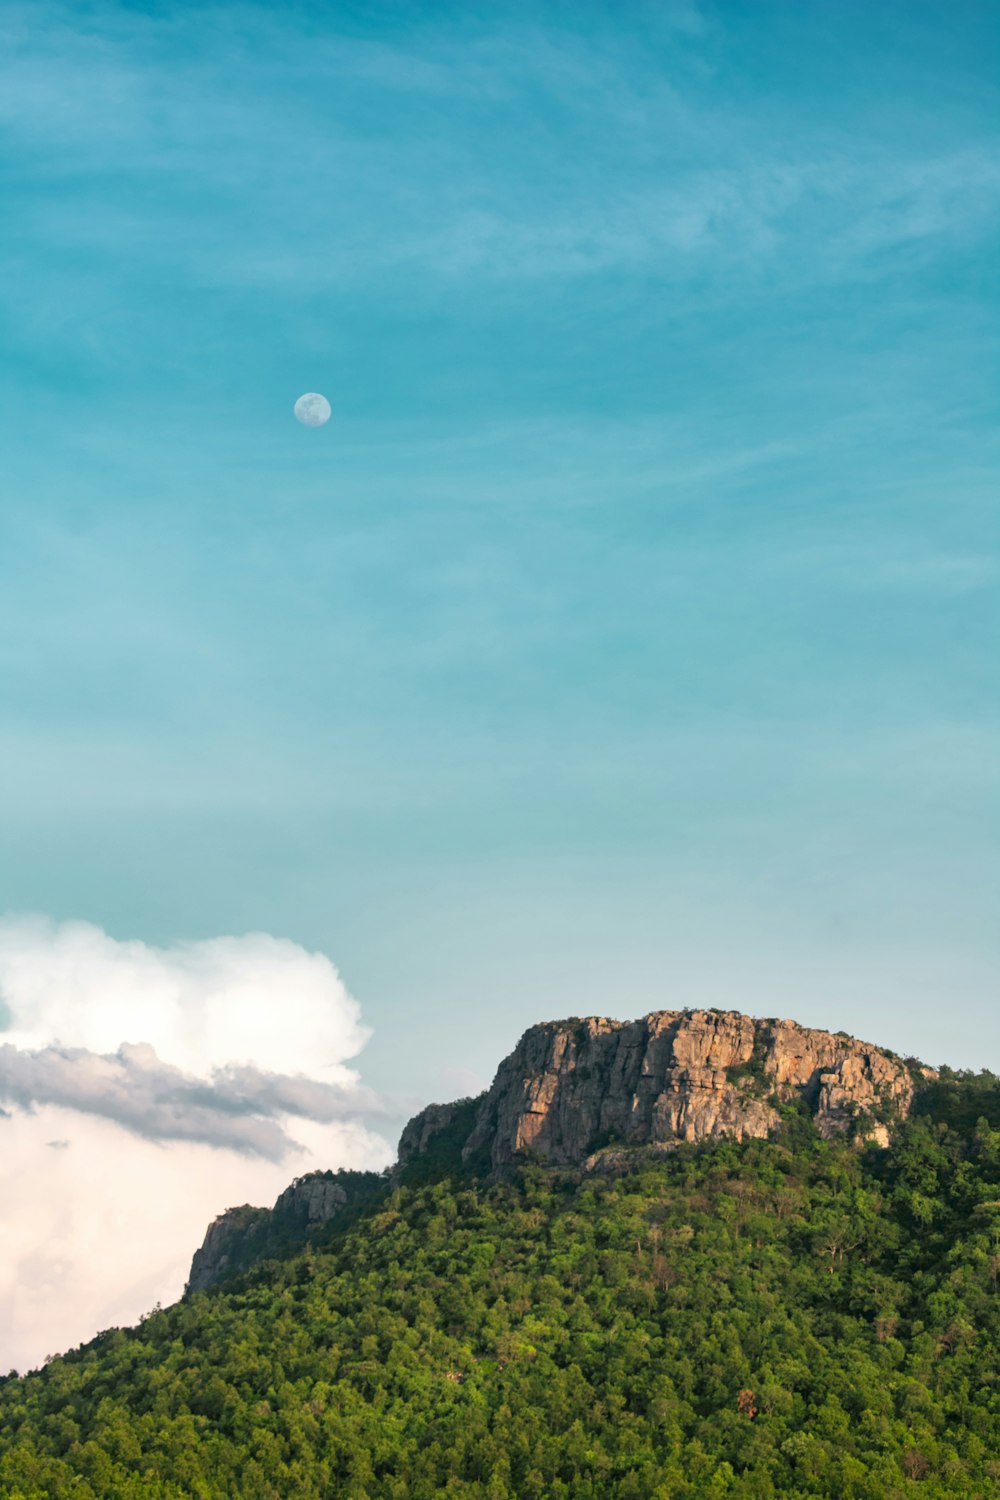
(792, 1317)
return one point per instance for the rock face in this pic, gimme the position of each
(220, 1253)
(583, 1093)
(419, 1132)
(571, 1088)
(241, 1236)
(310, 1200)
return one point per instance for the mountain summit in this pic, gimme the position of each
(588, 1093)
(572, 1089)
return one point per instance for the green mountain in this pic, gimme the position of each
(579, 1092)
(538, 1303)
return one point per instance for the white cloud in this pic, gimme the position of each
(145, 1090)
(254, 999)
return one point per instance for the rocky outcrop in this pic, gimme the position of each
(587, 1093)
(424, 1128)
(242, 1236)
(571, 1088)
(223, 1250)
(311, 1200)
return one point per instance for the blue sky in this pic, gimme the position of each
(629, 638)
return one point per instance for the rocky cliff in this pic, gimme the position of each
(583, 1093)
(242, 1236)
(224, 1249)
(572, 1088)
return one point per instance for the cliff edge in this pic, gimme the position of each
(242, 1236)
(573, 1088)
(584, 1093)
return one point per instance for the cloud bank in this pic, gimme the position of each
(143, 1090)
(237, 1108)
(253, 999)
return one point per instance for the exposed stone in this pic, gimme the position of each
(589, 1093)
(241, 1236)
(311, 1199)
(421, 1130)
(224, 1237)
(571, 1087)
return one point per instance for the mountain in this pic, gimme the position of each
(657, 1260)
(579, 1092)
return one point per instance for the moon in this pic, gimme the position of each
(312, 409)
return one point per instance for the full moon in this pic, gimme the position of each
(312, 409)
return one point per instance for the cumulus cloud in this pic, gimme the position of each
(200, 1004)
(143, 1090)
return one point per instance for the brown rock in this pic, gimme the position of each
(572, 1087)
(241, 1236)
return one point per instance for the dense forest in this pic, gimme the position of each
(791, 1317)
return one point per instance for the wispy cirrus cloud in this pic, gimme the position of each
(665, 177)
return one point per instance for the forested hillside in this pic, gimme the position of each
(793, 1317)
